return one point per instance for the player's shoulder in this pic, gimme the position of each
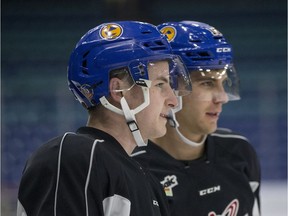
(150, 148)
(231, 141)
(79, 139)
(226, 134)
(70, 140)
(147, 153)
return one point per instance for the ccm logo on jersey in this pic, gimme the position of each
(223, 49)
(209, 190)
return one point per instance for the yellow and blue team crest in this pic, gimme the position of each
(111, 31)
(169, 31)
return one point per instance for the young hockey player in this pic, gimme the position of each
(204, 171)
(125, 75)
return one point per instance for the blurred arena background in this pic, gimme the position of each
(36, 105)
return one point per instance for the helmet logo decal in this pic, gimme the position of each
(111, 31)
(169, 31)
(168, 183)
(87, 91)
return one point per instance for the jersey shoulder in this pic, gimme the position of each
(230, 141)
(227, 133)
(72, 144)
(229, 144)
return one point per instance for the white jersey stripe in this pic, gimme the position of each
(229, 136)
(89, 173)
(138, 153)
(20, 209)
(58, 171)
(116, 205)
(254, 186)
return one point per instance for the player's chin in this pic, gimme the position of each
(161, 131)
(212, 128)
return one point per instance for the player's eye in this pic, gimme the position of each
(207, 83)
(160, 84)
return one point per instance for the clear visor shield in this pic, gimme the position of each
(215, 84)
(169, 71)
(180, 80)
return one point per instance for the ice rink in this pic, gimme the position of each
(274, 198)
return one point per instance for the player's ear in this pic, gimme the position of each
(114, 87)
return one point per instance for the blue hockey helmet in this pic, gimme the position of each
(122, 44)
(203, 48)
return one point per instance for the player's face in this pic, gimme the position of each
(202, 108)
(152, 119)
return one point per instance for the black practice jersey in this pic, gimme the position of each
(225, 181)
(87, 173)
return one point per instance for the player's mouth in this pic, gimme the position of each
(164, 115)
(213, 114)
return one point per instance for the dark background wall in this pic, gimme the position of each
(38, 36)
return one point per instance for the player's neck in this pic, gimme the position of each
(115, 125)
(177, 148)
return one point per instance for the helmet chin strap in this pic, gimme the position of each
(129, 114)
(132, 123)
(174, 123)
(189, 142)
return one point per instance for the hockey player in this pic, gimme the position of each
(124, 74)
(204, 173)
